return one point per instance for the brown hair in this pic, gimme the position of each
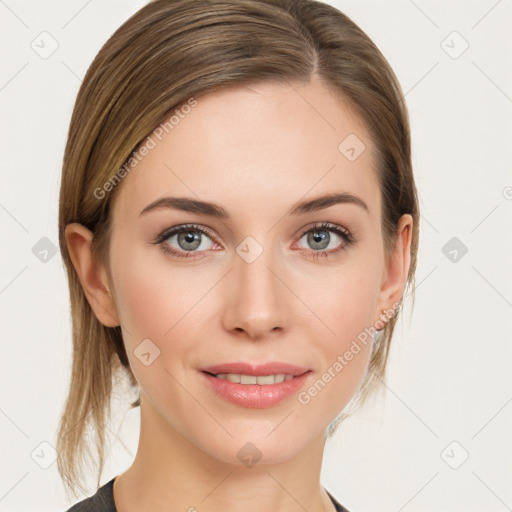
(166, 53)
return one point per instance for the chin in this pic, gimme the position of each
(257, 444)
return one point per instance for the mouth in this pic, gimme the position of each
(254, 386)
(248, 373)
(262, 380)
(256, 369)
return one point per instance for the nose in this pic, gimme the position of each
(256, 305)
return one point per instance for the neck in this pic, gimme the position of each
(171, 474)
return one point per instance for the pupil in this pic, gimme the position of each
(189, 239)
(320, 237)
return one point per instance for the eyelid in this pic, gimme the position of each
(344, 233)
(328, 226)
(167, 233)
(207, 231)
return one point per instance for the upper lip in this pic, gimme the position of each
(272, 368)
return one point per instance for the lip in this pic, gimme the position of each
(256, 396)
(271, 368)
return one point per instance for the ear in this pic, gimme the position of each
(92, 275)
(397, 266)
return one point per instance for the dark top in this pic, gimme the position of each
(103, 501)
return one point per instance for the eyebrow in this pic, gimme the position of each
(188, 204)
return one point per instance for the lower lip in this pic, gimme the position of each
(256, 396)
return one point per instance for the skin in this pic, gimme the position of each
(255, 151)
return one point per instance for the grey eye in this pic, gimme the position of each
(319, 239)
(190, 240)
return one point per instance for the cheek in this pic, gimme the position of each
(166, 304)
(153, 298)
(142, 299)
(348, 299)
(162, 305)
(347, 310)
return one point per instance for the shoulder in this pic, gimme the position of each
(339, 507)
(102, 501)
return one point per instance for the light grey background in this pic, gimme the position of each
(449, 387)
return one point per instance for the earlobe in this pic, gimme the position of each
(91, 273)
(397, 266)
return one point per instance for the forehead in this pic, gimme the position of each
(247, 145)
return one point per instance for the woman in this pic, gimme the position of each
(239, 222)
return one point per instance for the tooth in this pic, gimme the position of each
(248, 379)
(265, 379)
(253, 379)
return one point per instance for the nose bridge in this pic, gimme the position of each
(257, 303)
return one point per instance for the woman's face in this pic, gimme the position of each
(261, 284)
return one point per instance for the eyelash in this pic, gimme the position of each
(348, 238)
